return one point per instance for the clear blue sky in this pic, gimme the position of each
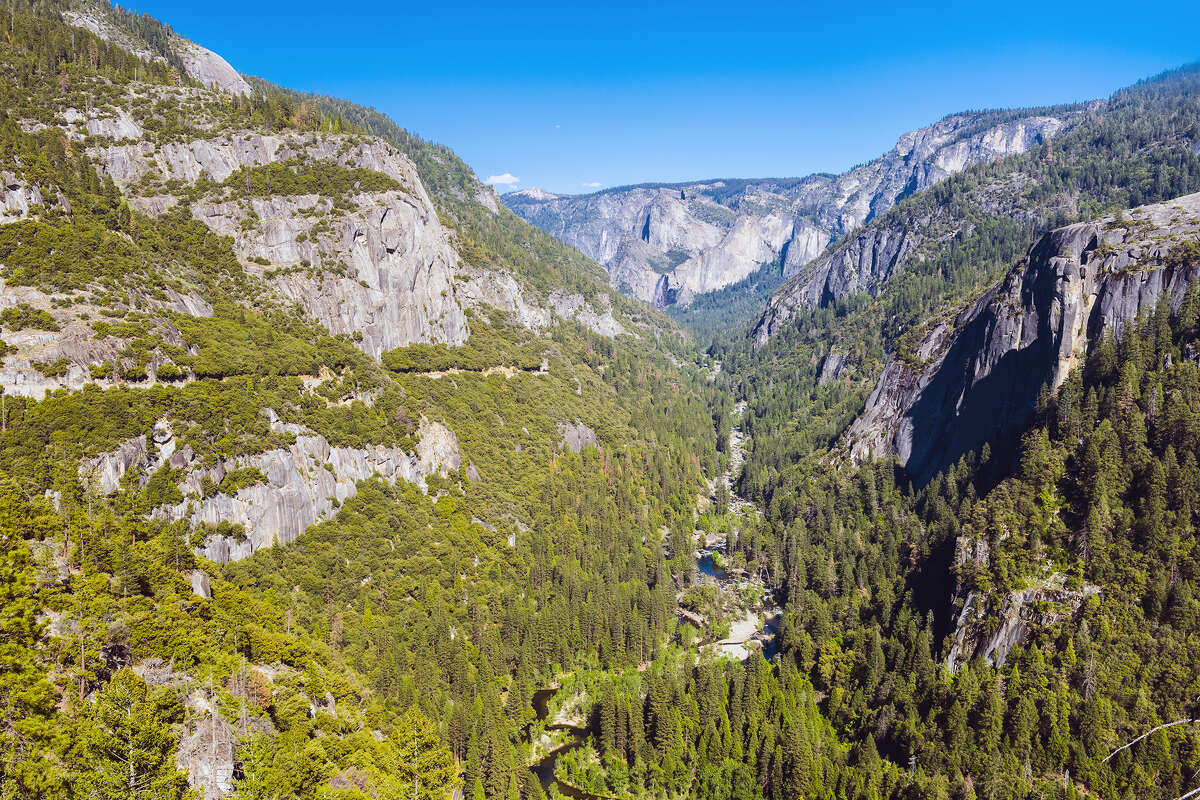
(570, 96)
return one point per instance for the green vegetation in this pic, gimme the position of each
(482, 237)
(307, 177)
(394, 648)
(969, 230)
(712, 315)
(127, 747)
(95, 239)
(237, 479)
(494, 343)
(710, 730)
(363, 601)
(23, 315)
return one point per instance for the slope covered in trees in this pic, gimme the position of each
(544, 532)
(423, 610)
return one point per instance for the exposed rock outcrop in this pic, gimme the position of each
(976, 380)
(1046, 601)
(202, 65)
(437, 448)
(207, 757)
(862, 264)
(976, 634)
(75, 345)
(305, 483)
(667, 243)
(201, 586)
(209, 69)
(497, 288)
(831, 367)
(16, 197)
(382, 269)
(106, 470)
(576, 436)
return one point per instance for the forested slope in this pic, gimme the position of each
(826, 335)
(229, 316)
(315, 464)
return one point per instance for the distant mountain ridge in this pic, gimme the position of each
(668, 243)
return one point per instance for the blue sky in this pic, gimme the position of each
(577, 97)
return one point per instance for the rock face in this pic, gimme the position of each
(202, 65)
(1045, 604)
(16, 198)
(305, 483)
(381, 269)
(1046, 601)
(862, 263)
(437, 449)
(576, 436)
(209, 69)
(106, 470)
(667, 243)
(75, 341)
(980, 375)
(207, 757)
(374, 265)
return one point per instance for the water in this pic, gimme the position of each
(706, 565)
(544, 769)
(771, 626)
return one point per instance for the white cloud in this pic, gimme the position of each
(507, 179)
(592, 185)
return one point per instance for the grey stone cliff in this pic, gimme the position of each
(981, 373)
(667, 243)
(305, 482)
(202, 65)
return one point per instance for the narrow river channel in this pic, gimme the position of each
(544, 769)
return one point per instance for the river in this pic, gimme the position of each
(747, 630)
(544, 768)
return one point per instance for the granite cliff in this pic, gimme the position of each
(975, 379)
(666, 243)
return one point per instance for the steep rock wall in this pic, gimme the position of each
(980, 375)
(382, 269)
(305, 483)
(667, 243)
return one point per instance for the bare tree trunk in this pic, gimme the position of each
(1144, 735)
(132, 776)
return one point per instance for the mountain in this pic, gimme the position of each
(150, 41)
(820, 346)
(1008, 568)
(669, 243)
(290, 404)
(977, 379)
(1138, 146)
(323, 475)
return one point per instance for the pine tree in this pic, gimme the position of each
(127, 751)
(26, 696)
(416, 762)
(798, 760)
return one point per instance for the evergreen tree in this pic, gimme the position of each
(126, 750)
(26, 696)
(415, 761)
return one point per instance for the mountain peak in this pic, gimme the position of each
(532, 193)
